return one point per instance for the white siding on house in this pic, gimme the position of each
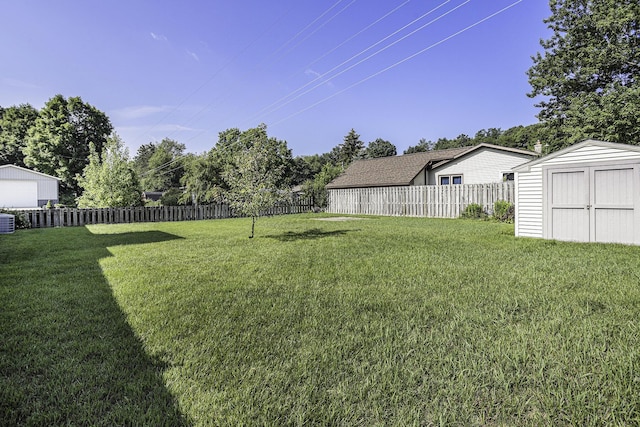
(529, 183)
(482, 166)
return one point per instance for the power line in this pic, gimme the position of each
(318, 28)
(269, 109)
(386, 15)
(290, 40)
(400, 62)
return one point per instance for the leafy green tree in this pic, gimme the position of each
(487, 136)
(160, 165)
(257, 178)
(109, 179)
(15, 123)
(171, 197)
(202, 179)
(380, 148)
(524, 137)
(59, 142)
(316, 188)
(141, 159)
(588, 74)
(307, 167)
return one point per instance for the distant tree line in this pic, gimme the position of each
(523, 137)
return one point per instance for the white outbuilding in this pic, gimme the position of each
(24, 188)
(588, 192)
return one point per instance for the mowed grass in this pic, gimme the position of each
(381, 321)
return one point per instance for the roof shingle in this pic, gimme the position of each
(391, 171)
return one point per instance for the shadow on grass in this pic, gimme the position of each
(314, 233)
(67, 354)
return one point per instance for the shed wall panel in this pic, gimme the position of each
(529, 203)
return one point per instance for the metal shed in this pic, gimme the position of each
(588, 192)
(24, 188)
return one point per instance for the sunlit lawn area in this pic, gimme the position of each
(380, 321)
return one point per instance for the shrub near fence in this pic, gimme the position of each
(432, 201)
(69, 217)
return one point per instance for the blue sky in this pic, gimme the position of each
(311, 70)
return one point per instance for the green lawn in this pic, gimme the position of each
(382, 321)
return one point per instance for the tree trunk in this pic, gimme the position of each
(253, 226)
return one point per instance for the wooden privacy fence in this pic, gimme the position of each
(432, 201)
(69, 217)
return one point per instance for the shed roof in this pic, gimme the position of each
(28, 170)
(586, 143)
(401, 170)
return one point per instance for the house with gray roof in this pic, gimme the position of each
(479, 164)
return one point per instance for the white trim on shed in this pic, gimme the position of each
(533, 189)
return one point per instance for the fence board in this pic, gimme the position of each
(69, 217)
(432, 201)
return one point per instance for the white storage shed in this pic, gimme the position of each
(588, 192)
(24, 188)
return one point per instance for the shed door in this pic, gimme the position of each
(594, 204)
(614, 204)
(567, 212)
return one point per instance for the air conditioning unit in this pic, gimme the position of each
(7, 223)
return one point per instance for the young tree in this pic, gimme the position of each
(380, 148)
(15, 123)
(59, 143)
(258, 178)
(588, 76)
(109, 179)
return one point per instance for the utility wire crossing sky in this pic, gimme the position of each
(311, 71)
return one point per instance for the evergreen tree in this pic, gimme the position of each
(350, 149)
